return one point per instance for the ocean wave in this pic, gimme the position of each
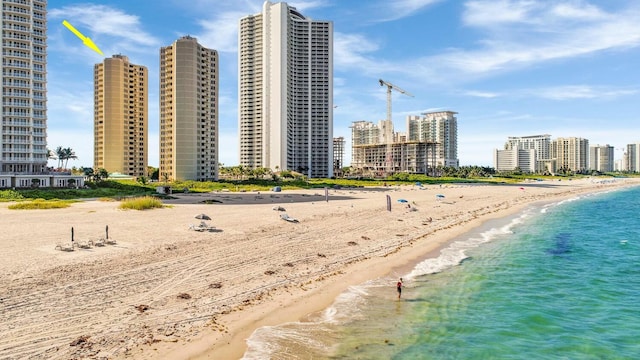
(312, 336)
(267, 342)
(456, 252)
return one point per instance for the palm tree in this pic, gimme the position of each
(51, 154)
(60, 152)
(69, 154)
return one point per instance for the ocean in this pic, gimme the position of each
(557, 281)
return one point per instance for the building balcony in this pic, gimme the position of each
(19, 2)
(19, 160)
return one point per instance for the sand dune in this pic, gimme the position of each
(164, 291)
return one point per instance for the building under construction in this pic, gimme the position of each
(416, 157)
(338, 155)
(430, 141)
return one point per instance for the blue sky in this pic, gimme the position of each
(508, 67)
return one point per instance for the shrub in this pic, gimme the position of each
(10, 195)
(141, 203)
(40, 204)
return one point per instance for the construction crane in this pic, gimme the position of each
(390, 87)
(388, 128)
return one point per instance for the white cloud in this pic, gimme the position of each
(539, 36)
(566, 92)
(221, 33)
(493, 13)
(399, 9)
(102, 20)
(569, 92)
(351, 50)
(574, 11)
(304, 6)
(481, 94)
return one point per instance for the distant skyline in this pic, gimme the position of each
(509, 68)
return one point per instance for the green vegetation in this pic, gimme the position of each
(240, 179)
(10, 195)
(40, 204)
(141, 203)
(111, 189)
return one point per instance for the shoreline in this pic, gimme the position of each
(305, 305)
(207, 292)
(400, 262)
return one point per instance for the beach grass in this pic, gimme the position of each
(41, 204)
(141, 203)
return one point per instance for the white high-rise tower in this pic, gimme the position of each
(286, 91)
(23, 136)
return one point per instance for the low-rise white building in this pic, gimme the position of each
(512, 159)
(53, 180)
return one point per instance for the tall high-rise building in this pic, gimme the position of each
(571, 154)
(120, 116)
(632, 158)
(23, 136)
(440, 127)
(188, 111)
(601, 158)
(286, 91)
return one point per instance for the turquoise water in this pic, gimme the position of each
(559, 281)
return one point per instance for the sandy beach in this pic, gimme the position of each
(163, 291)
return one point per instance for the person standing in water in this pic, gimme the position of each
(399, 286)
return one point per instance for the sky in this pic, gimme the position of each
(567, 68)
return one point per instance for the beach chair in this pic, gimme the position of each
(83, 244)
(205, 227)
(64, 247)
(288, 218)
(201, 227)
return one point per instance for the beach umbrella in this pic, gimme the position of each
(521, 188)
(402, 201)
(203, 217)
(418, 183)
(440, 196)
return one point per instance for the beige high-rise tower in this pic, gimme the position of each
(188, 111)
(120, 116)
(571, 154)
